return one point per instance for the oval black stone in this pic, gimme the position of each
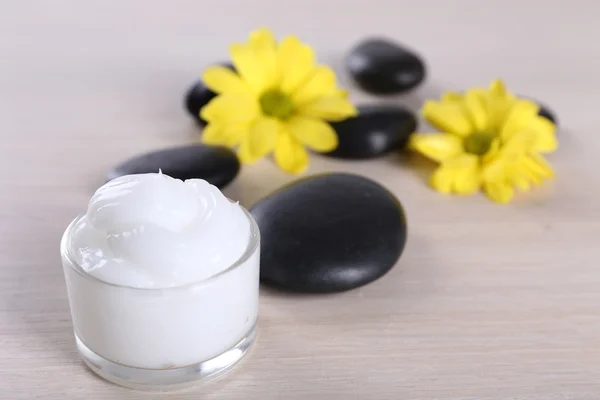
(376, 130)
(197, 96)
(380, 66)
(329, 233)
(547, 113)
(217, 165)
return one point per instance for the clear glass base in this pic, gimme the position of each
(167, 379)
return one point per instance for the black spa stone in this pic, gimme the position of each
(329, 233)
(382, 67)
(376, 130)
(547, 113)
(215, 164)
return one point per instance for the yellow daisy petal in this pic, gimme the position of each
(517, 145)
(493, 151)
(476, 105)
(538, 165)
(330, 108)
(499, 102)
(532, 169)
(518, 179)
(500, 192)
(216, 134)
(519, 116)
(343, 93)
(545, 134)
(232, 107)
(260, 140)
(468, 181)
(290, 155)
(263, 45)
(213, 135)
(295, 63)
(452, 96)
(494, 171)
(221, 80)
(459, 175)
(436, 146)
(234, 134)
(314, 133)
(250, 67)
(524, 171)
(529, 171)
(498, 108)
(441, 180)
(263, 35)
(322, 83)
(500, 165)
(448, 117)
(497, 88)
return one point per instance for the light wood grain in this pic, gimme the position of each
(487, 302)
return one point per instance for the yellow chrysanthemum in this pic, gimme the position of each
(491, 140)
(278, 100)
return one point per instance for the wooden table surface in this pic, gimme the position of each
(487, 301)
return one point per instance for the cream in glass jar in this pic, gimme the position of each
(162, 277)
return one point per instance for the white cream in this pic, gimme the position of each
(154, 249)
(153, 231)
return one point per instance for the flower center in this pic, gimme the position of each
(276, 104)
(478, 143)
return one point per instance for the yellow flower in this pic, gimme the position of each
(277, 101)
(491, 140)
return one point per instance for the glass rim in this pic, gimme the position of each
(253, 243)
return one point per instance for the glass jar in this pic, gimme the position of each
(162, 338)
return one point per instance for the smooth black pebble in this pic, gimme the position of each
(329, 233)
(198, 96)
(215, 164)
(376, 130)
(380, 66)
(547, 113)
